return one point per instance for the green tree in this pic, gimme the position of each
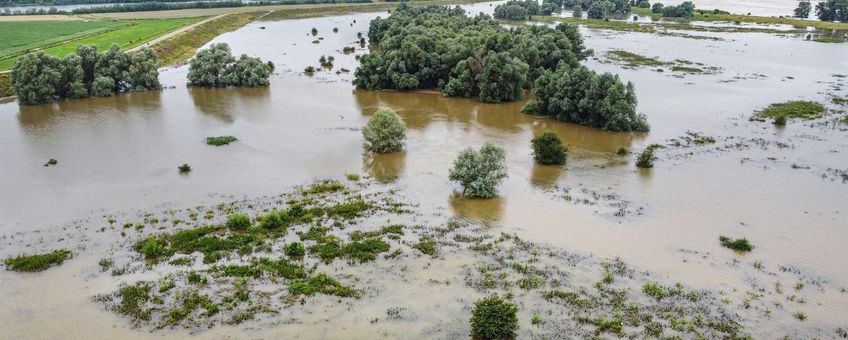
(207, 68)
(579, 95)
(142, 74)
(480, 173)
(548, 149)
(643, 4)
(493, 318)
(657, 7)
(463, 80)
(502, 78)
(35, 78)
(577, 12)
(385, 132)
(832, 10)
(73, 85)
(803, 9)
(247, 71)
(113, 64)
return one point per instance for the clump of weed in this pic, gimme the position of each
(323, 187)
(792, 109)
(654, 290)
(51, 161)
(309, 70)
(493, 318)
(37, 262)
(740, 244)
(622, 152)
(352, 176)
(133, 299)
(646, 158)
(295, 249)
(321, 283)
(426, 246)
(800, 316)
(220, 140)
(184, 169)
(238, 222)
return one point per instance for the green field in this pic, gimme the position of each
(61, 37)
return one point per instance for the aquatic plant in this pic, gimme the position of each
(385, 132)
(480, 172)
(740, 244)
(646, 158)
(426, 246)
(548, 149)
(493, 318)
(184, 169)
(803, 109)
(37, 262)
(220, 140)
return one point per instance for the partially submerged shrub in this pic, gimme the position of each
(220, 140)
(184, 169)
(740, 244)
(548, 149)
(38, 262)
(493, 318)
(238, 222)
(216, 67)
(385, 132)
(480, 173)
(646, 158)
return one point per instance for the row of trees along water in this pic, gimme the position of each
(166, 5)
(39, 78)
(440, 48)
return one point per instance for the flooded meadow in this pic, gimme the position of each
(784, 188)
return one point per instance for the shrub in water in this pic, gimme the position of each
(548, 149)
(385, 132)
(185, 168)
(481, 172)
(646, 158)
(238, 221)
(493, 318)
(740, 244)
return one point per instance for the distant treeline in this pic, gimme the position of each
(164, 6)
(11, 3)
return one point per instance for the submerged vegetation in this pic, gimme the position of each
(38, 262)
(740, 244)
(216, 67)
(480, 173)
(39, 78)
(441, 48)
(220, 140)
(802, 109)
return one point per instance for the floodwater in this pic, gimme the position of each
(120, 153)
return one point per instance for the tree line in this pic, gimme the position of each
(595, 9)
(829, 10)
(40, 78)
(684, 10)
(522, 10)
(168, 5)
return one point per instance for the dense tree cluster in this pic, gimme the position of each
(657, 7)
(522, 10)
(216, 67)
(596, 9)
(832, 10)
(642, 3)
(40, 78)
(684, 10)
(579, 95)
(441, 48)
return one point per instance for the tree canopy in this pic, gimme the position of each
(385, 132)
(579, 95)
(40, 78)
(832, 10)
(216, 67)
(481, 172)
(441, 48)
(803, 10)
(684, 10)
(522, 10)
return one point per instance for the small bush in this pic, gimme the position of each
(352, 176)
(646, 158)
(481, 172)
(220, 140)
(184, 169)
(38, 262)
(309, 70)
(238, 222)
(385, 132)
(295, 249)
(780, 121)
(740, 244)
(548, 149)
(622, 152)
(493, 318)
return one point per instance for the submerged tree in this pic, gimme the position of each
(480, 173)
(39, 78)
(502, 78)
(385, 132)
(579, 95)
(216, 67)
(548, 149)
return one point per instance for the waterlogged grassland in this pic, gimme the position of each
(132, 33)
(802, 109)
(633, 60)
(37, 262)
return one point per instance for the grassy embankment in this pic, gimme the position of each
(182, 46)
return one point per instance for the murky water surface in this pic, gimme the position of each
(121, 153)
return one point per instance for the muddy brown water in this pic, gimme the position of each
(120, 153)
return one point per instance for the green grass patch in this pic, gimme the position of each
(321, 283)
(220, 140)
(793, 109)
(740, 244)
(634, 60)
(323, 187)
(830, 39)
(426, 246)
(38, 262)
(686, 69)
